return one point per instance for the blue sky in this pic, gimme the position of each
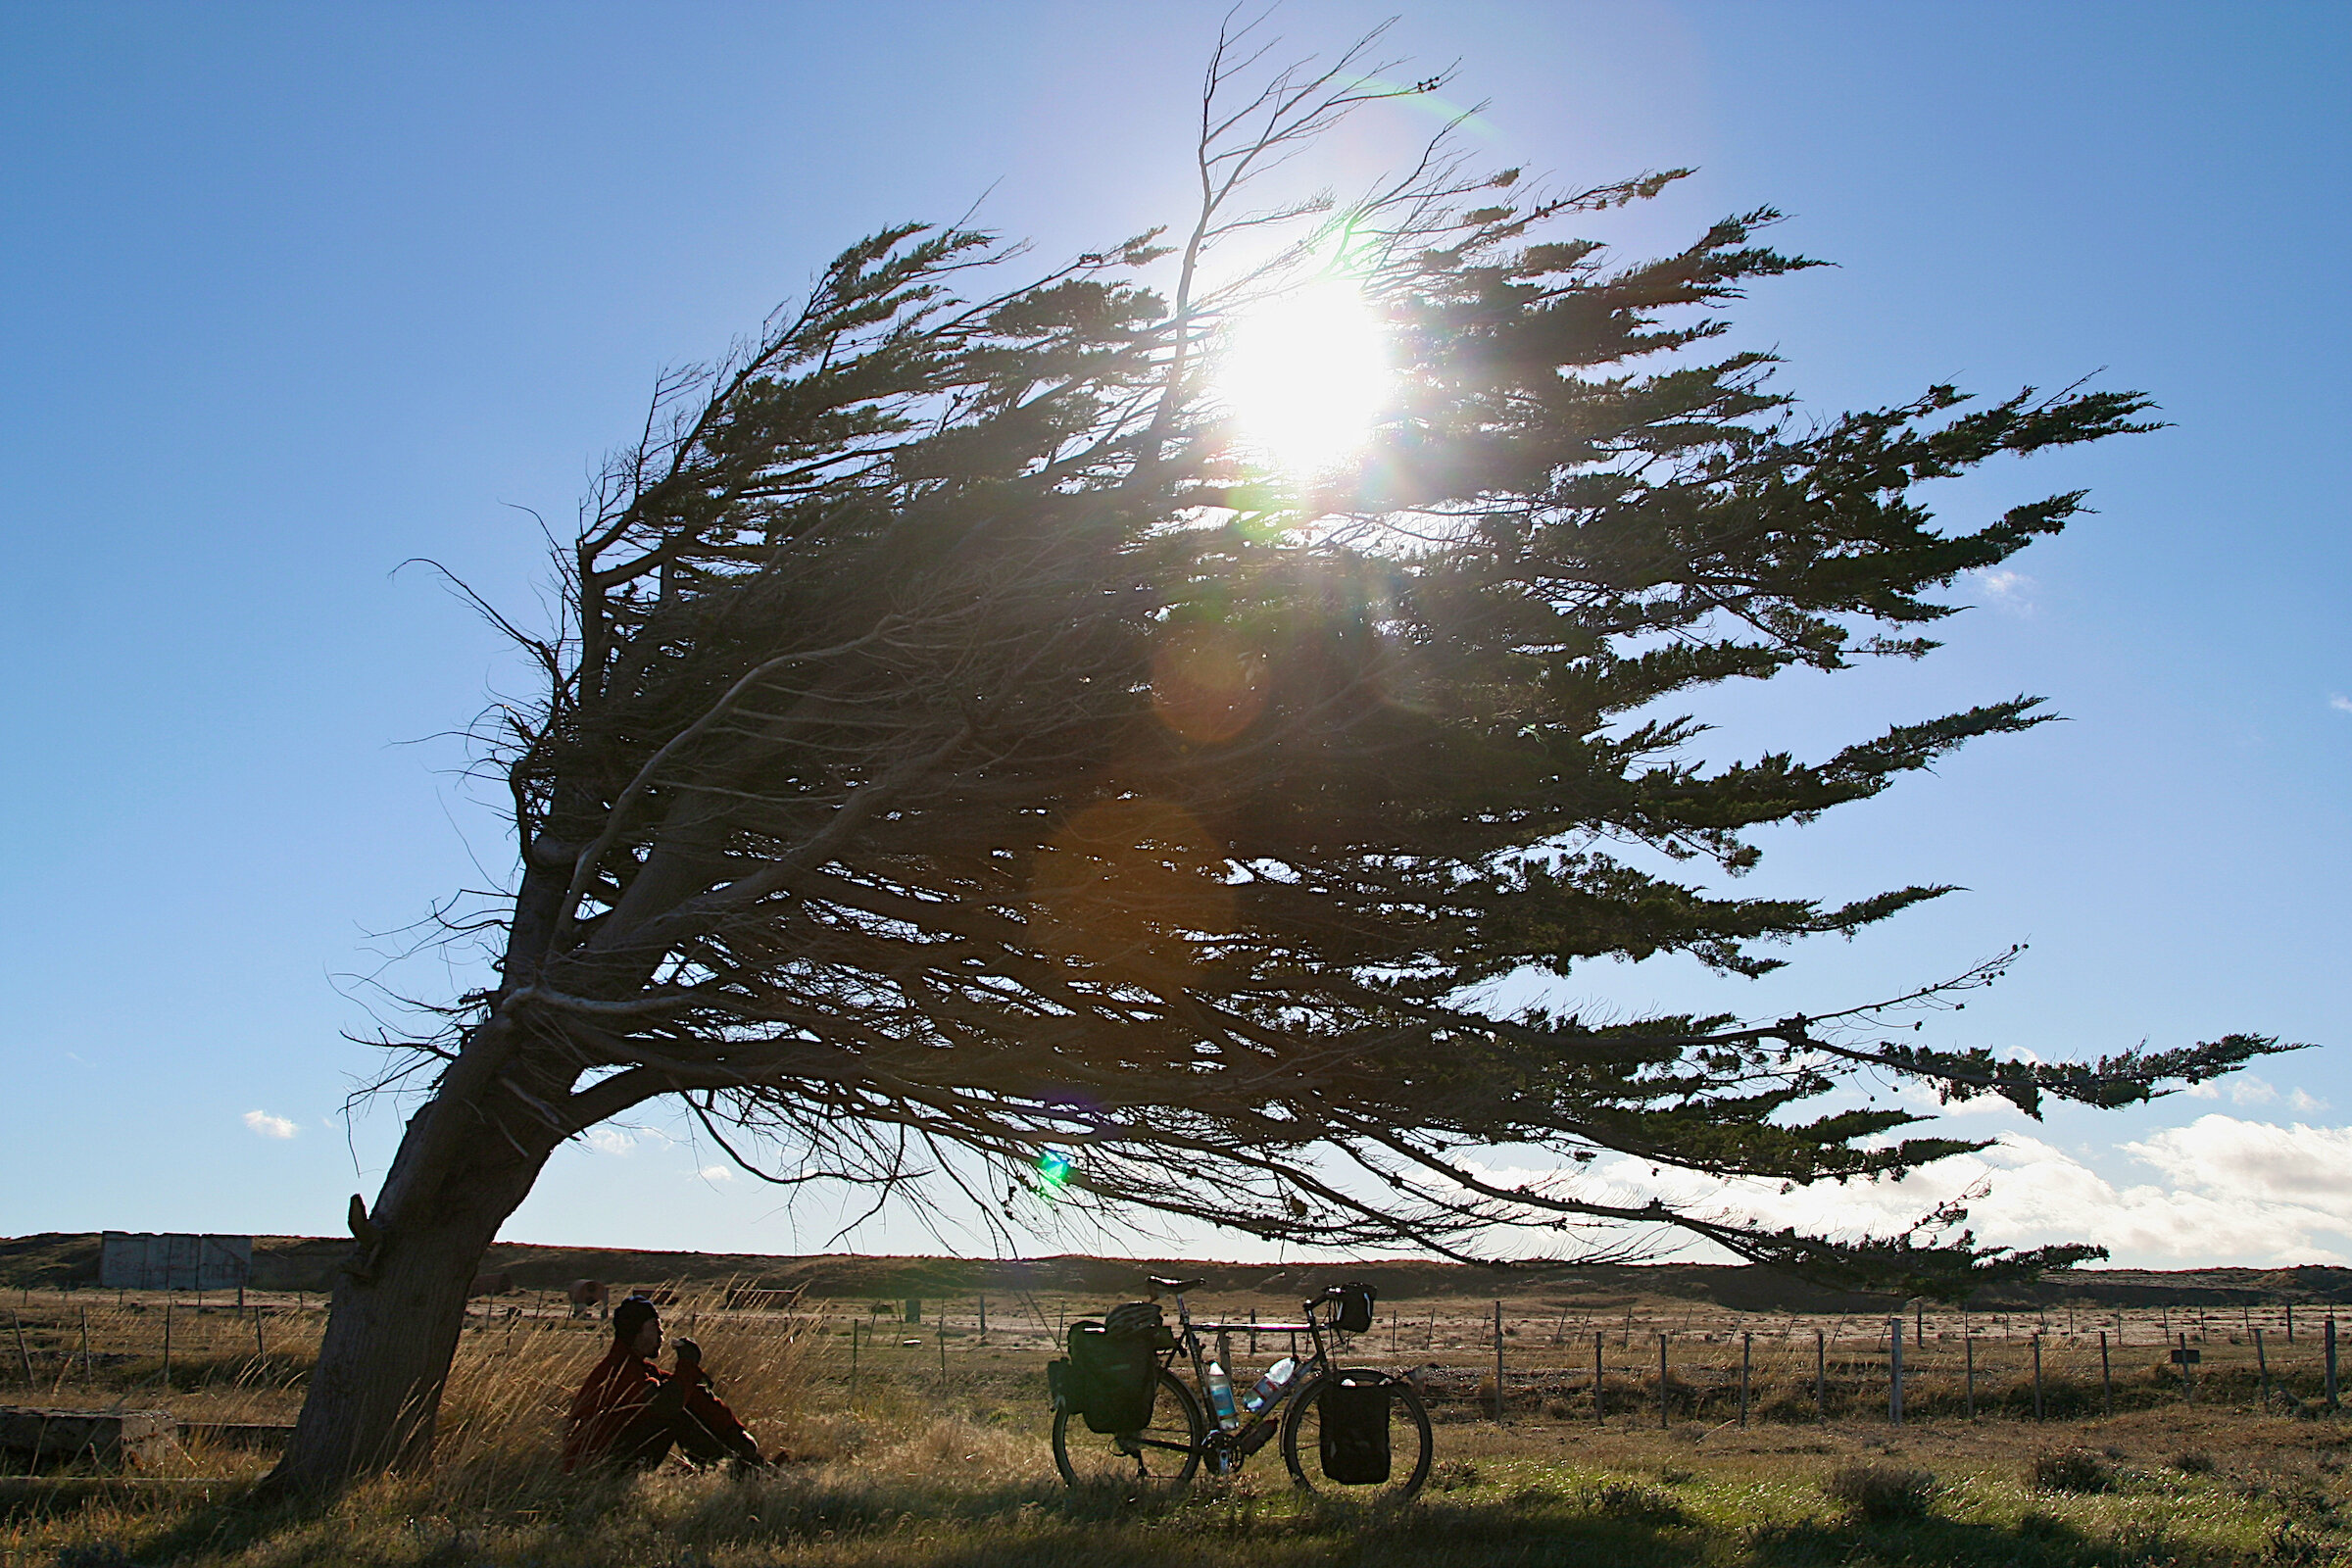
(296, 293)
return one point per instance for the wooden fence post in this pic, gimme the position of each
(1744, 1338)
(167, 1344)
(2329, 1333)
(2189, 1388)
(22, 1355)
(2290, 1322)
(1663, 1421)
(86, 1345)
(1969, 1344)
(1599, 1409)
(1894, 1386)
(2107, 1373)
(1821, 1376)
(2262, 1365)
(1498, 1363)
(2038, 1376)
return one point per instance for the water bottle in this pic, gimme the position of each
(1220, 1397)
(1278, 1377)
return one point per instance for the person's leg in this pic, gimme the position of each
(645, 1442)
(708, 1431)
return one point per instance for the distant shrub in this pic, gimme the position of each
(2193, 1462)
(2071, 1470)
(1636, 1502)
(1882, 1494)
(1452, 1474)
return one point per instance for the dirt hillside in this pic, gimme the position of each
(56, 1259)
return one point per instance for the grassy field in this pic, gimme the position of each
(931, 1449)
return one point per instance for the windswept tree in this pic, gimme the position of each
(964, 753)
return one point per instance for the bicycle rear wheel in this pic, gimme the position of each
(1408, 1438)
(1162, 1456)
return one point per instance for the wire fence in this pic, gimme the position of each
(249, 1358)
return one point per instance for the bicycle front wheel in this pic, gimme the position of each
(1307, 1445)
(1161, 1457)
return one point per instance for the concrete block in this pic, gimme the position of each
(108, 1439)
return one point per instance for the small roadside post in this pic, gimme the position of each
(1600, 1408)
(1498, 1363)
(2261, 1367)
(2037, 1375)
(1744, 1339)
(2187, 1357)
(2107, 1373)
(1894, 1384)
(1663, 1423)
(1969, 1343)
(2331, 1342)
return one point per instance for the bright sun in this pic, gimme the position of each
(1305, 376)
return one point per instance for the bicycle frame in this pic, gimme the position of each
(1258, 1427)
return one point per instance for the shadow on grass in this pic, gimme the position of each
(612, 1522)
(2037, 1541)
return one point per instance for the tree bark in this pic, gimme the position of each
(393, 1327)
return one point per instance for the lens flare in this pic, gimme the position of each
(1053, 1171)
(1206, 684)
(1305, 376)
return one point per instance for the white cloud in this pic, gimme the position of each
(2305, 1103)
(608, 1140)
(2008, 590)
(716, 1173)
(2247, 1089)
(2230, 1192)
(2341, 703)
(268, 1126)
(2253, 1161)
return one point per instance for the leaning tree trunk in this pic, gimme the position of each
(398, 1305)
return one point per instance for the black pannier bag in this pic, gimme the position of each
(1110, 1379)
(1355, 1430)
(1356, 1307)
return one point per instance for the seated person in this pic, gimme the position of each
(630, 1412)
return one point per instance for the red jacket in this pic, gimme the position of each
(626, 1391)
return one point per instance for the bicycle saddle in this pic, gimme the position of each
(1174, 1287)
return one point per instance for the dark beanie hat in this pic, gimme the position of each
(631, 1317)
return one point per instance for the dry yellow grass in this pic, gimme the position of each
(917, 1468)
